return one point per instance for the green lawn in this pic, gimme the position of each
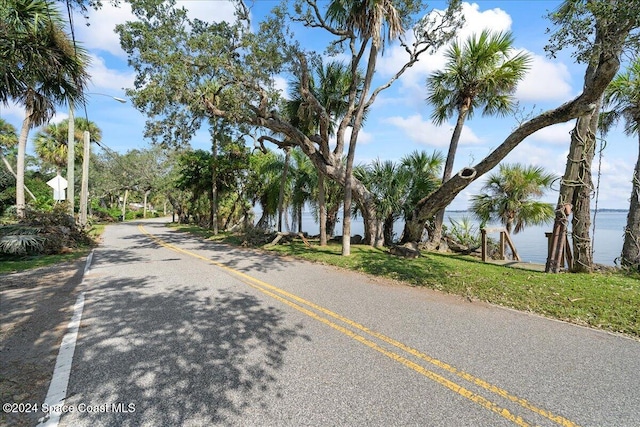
(608, 301)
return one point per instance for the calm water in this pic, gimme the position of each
(531, 243)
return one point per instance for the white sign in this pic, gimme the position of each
(59, 185)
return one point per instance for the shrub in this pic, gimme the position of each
(42, 233)
(20, 240)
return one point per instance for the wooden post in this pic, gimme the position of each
(502, 243)
(512, 246)
(483, 232)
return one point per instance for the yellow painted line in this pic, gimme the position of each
(258, 284)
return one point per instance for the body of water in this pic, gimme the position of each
(531, 243)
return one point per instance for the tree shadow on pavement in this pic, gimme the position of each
(185, 356)
(243, 259)
(35, 309)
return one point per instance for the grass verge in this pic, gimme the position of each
(604, 300)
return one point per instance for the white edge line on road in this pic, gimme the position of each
(58, 388)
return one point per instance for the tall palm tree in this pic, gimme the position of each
(481, 73)
(41, 67)
(622, 100)
(51, 141)
(372, 21)
(508, 197)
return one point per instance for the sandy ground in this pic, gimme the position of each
(35, 309)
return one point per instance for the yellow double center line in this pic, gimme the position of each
(299, 304)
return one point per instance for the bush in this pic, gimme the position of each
(20, 240)
(43, 233)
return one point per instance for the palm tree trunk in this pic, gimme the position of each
(388, 230)
(448, 171)
(20, 164)
(283, 182)
(357, 125)
(322, 207)
(631, 247)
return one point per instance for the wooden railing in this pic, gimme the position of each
(505, 239)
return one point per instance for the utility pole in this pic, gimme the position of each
(71, 162)
(84, 188)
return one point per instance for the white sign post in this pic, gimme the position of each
(59, 185)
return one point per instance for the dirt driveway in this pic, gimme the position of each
(35, 309)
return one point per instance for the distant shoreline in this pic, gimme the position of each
(592, 210)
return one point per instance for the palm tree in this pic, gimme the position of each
(51, 141)
(366, 20)
(424, 170)
(622, 99)
(43, 69)
(482, 73)
(305, 181)
(507, 197)
(390, 184)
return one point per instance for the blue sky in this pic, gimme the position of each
(399, 121)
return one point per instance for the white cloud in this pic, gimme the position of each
(558, 134)
(105, 78)
(425, 132)
(12, 113)
(281, 86)
(545, 81)
(209, 11)
(364, 138)
(413, 80)
(615, 182)
(100, 34)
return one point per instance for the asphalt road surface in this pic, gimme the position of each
(178, 332)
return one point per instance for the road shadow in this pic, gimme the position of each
(35, 309)
(182, 357)
(242, 259)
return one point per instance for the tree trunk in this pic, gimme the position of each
(576, 186)
(322, 207)
(332, 220)
(124, 204)
(631, 247)
(413, 230)
(214, 185)
(436, 236)
(146, 197)
(387, 230)
(283, 181)
(346, 211)
(373, 226)
(20, 165)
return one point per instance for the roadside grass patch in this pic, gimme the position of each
(14, 264)
(604, 300)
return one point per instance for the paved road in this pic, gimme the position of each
(195, 334)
